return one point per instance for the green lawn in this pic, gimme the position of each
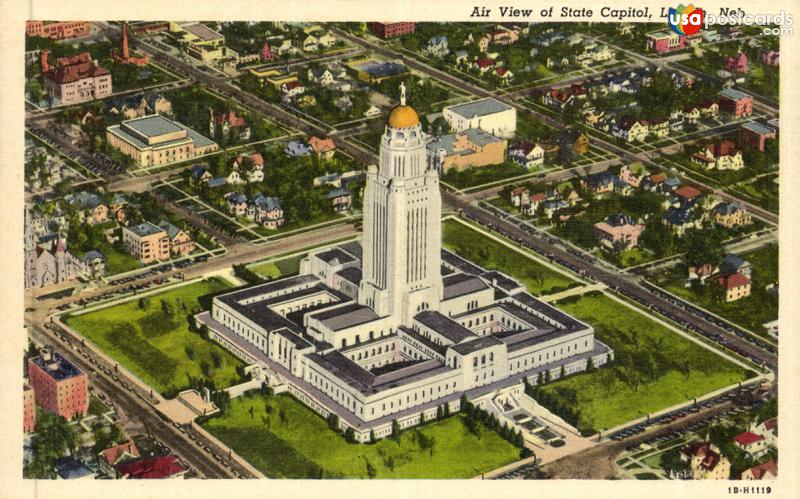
(279, 268)
(479, 175)
(304, 447)
(751, 312)
(654, 367)
(153, 344)
(490, 254)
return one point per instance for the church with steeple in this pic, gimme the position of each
(394, 327)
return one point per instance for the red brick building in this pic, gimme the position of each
(58, 30)
(59, 386)
(75, 79)
(735, 102)
(754, 135)
(29, 412)
(392, 30)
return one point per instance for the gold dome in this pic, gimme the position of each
(403, 117)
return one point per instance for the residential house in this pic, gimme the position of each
(598, 183)
(770, 57)
(702, 272)
(323, 148)
(340, 199)
(706, 462)
(751, 443)
(682, 218)
(504, 74)
(618, 231)
(754, 135)
(723, 155)
(691, 114)
(437, 47)
(343, 103)
(252, 165)
(199, 174)
(732, 264)
(621, 187)
(180, 242)
(731, 215)
(322, 76)
(533, 203)
(737, 63)
(736, 286)
(763, 471)
(571, 144)
(227, 123)
(633, 174)
(117, 208)
(296, 148)
(91, 209)
(470, 148)
(266, 211)
(735, 102)
(292, 88)
(709, 109)
(767, 429)
(631, 130)
(687, 193)
(484, 64)
(519, 196)
(236, 204)
(117, 455)
(550, 208)
(658, 128)
(527, 154)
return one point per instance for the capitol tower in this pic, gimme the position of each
(402, 223)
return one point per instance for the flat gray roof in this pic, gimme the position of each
(346, 316)
(456, 285)
(448, 328)
(153, 125)
(480, 107)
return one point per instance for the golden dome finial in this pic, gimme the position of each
(403, 116)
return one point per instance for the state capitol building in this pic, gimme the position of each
(394, 327)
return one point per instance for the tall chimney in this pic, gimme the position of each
(45, 65)
(125, 54)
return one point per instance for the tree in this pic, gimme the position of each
(350, 435)
(189, 352)
(144, 302)
(395, 431)
(371, 471)
(333, 422)
(704, 246)
(205, 368)
(216, 359)
(372, 436)
(439, 413)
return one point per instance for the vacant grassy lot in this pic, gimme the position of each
(284, 439)
(751, 312)
(490, 254)
(156, 345)
(654, 368)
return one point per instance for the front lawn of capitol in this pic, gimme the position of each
(283, 438)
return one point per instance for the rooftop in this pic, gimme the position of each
(456, 285)
(445, 326)
(56, 366)
(480, 107)
(346, 316)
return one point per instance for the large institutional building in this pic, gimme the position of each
(394, 327)
(156, 140)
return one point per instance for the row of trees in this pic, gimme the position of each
(475, 417)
